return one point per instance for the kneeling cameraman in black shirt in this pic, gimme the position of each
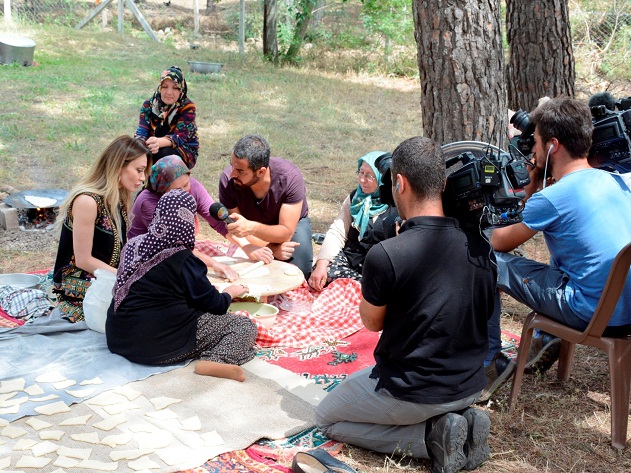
(430, 290)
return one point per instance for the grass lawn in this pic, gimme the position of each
(57, 116)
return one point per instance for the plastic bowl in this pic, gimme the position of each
(205, 67)
(20, 280)
(264, 313)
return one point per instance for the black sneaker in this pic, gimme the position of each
(544, 351)
(476, 447)
(500, 369)
(445, 443)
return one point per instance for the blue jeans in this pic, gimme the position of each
(303, 254)
(495, 331)
(355, 413)
(537, 285)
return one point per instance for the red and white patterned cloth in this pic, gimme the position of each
(6, 321)
(214, 248)
(305, 317)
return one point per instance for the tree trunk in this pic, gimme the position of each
(303, 19)
(270, 35)
(461, 65)
(541, 61)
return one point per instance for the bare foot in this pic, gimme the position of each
(220, 370)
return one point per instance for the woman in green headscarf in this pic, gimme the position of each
(358, 226)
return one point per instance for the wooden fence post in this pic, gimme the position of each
(196, 17)
(7, 12)
(121, 15)
(131, 5)
(242, 26)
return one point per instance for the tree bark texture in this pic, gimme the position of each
(541, 60)
(461, 65)
(270, 36)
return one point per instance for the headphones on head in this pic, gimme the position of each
(397, 187)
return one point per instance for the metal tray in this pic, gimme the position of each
(205, 67)
(18, 201)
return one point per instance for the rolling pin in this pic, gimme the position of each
(250, 268)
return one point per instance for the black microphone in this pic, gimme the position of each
(602, 98)
(220, 212)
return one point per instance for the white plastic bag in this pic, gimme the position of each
(97, 299)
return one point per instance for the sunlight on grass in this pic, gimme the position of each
(89, 85)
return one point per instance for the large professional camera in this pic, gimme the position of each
(526, 140)
(485, 187)
(484, 184)
(611, 138)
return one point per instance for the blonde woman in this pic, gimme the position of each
(94, 219)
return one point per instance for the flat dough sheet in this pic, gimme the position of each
(256, 273)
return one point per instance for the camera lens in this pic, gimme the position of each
(521, 121)
(599, 111)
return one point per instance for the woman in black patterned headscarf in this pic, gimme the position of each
(167, 120)
(165, 310)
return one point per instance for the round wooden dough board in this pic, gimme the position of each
(282, 277)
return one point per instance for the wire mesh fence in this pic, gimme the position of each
(601, 36)
(72, 12)
(47, 11)
(601, 29)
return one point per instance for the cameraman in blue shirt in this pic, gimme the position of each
(584, 220)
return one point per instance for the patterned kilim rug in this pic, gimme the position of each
(332, 361)
(326, 349)
(328, 363)
(510, 344)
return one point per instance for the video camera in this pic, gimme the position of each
(485, 190)
(611, 138)
(526, 140)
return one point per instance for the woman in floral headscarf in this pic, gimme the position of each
(358, 226)
(167, 120)
(164, 308)
(167, 174)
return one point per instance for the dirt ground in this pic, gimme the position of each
(557, 427)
